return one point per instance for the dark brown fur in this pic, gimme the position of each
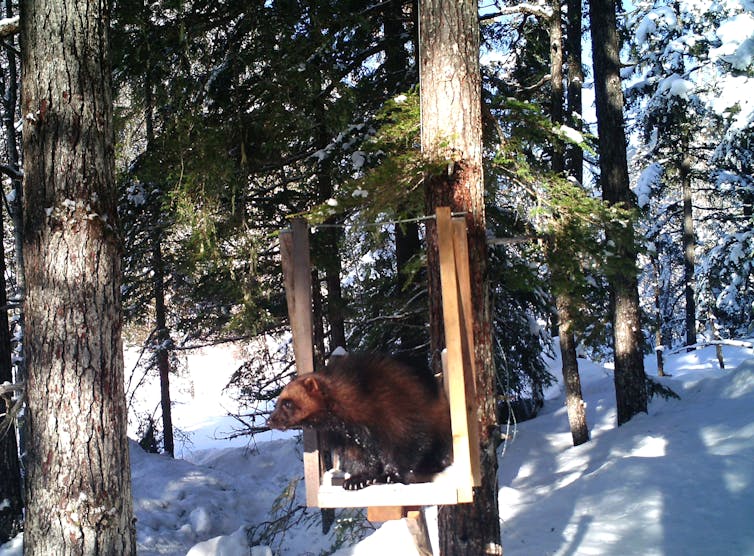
(390, 419)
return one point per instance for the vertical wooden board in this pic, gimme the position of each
(463, 273)
(301, 317)
(379, 514)
(294, 253)
(454, 344)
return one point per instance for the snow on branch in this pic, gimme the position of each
(9, 26)
(537, 10)
(699, 345)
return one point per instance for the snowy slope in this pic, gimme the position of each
(678, 481)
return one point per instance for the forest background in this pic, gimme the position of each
(231, 119)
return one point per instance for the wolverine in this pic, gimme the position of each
(389, 419)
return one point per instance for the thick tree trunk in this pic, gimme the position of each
(684, 169)
(630, 382)
(79, 484)
(452, 134)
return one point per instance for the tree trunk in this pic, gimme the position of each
(163, 344)
(574, 400)
(563, 301)
(684, 169)
(659, 344)
(15, 205)
(11, 513)
(630, 381)
(162, 353)
(78, 482)
(574, 154)
(11, 502)
(452, 133)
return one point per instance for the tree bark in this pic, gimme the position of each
(79, 484)
(575, 405)
(574, 154)
(684, 170)
(563, 300)
(162, 353)
(630, 381)
(451, 134)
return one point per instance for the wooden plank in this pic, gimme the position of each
(295, 258)
(453, 342)
(443, 490)
(463, 273)
(379, 514)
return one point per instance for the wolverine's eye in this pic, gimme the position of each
(288, 404)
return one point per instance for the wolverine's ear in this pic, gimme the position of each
(311, 384)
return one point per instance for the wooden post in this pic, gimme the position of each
(454, 343)
(294, 255)
(461, 254)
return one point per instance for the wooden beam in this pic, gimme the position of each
(295, 259)
(463, 273)
(451, 308)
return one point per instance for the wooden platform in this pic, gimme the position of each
(455, 484)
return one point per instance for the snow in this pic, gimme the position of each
(678, 480)
(675, 85)
(737, 37)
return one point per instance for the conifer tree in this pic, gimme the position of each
(78, 486)
(450, 89)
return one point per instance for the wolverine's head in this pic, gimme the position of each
(300, 403)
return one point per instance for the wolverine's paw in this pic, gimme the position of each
(393, 478)
(357, 482)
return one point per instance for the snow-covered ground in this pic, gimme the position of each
(678, 481)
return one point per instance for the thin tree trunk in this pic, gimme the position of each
(574, 154)
(163, 344)
(162, 353)
(452, 131)
(10, 103)
(659, 344)
(78, 478)
(630, 381)
(11, 513)
(563, 301)
(574, 400)
(684, 169)
(11, 501)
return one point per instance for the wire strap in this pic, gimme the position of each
(385, 223)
